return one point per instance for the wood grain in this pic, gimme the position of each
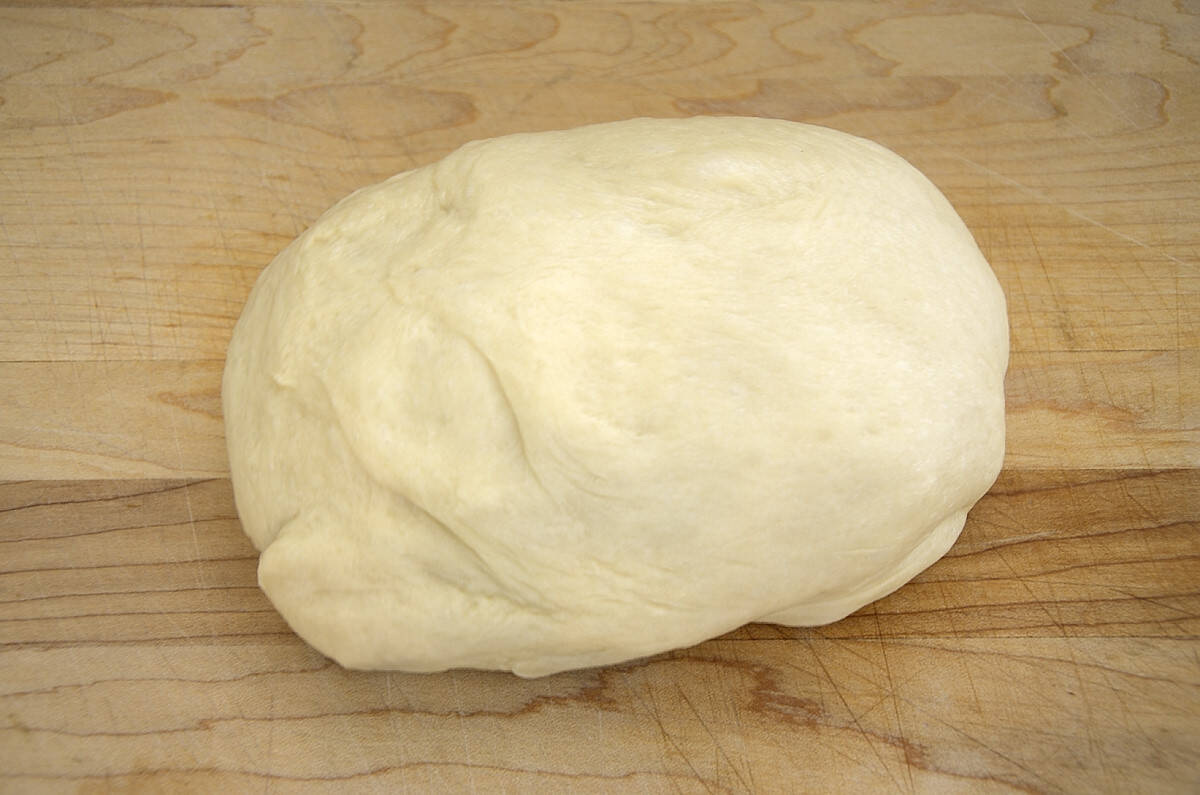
(210, 141)
(139, 419)
(1059, 554)
(111, 419)
(155, 156)
(1053, 649)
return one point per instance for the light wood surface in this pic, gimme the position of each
(153, 158)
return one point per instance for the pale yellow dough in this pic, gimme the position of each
(570, 398)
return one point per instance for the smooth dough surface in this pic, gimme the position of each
(569, 398)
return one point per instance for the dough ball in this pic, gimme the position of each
(569, 398)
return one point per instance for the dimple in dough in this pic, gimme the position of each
(569, 398)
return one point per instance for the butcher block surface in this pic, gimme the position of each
(155, 157)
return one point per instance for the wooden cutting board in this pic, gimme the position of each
(155, 157)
